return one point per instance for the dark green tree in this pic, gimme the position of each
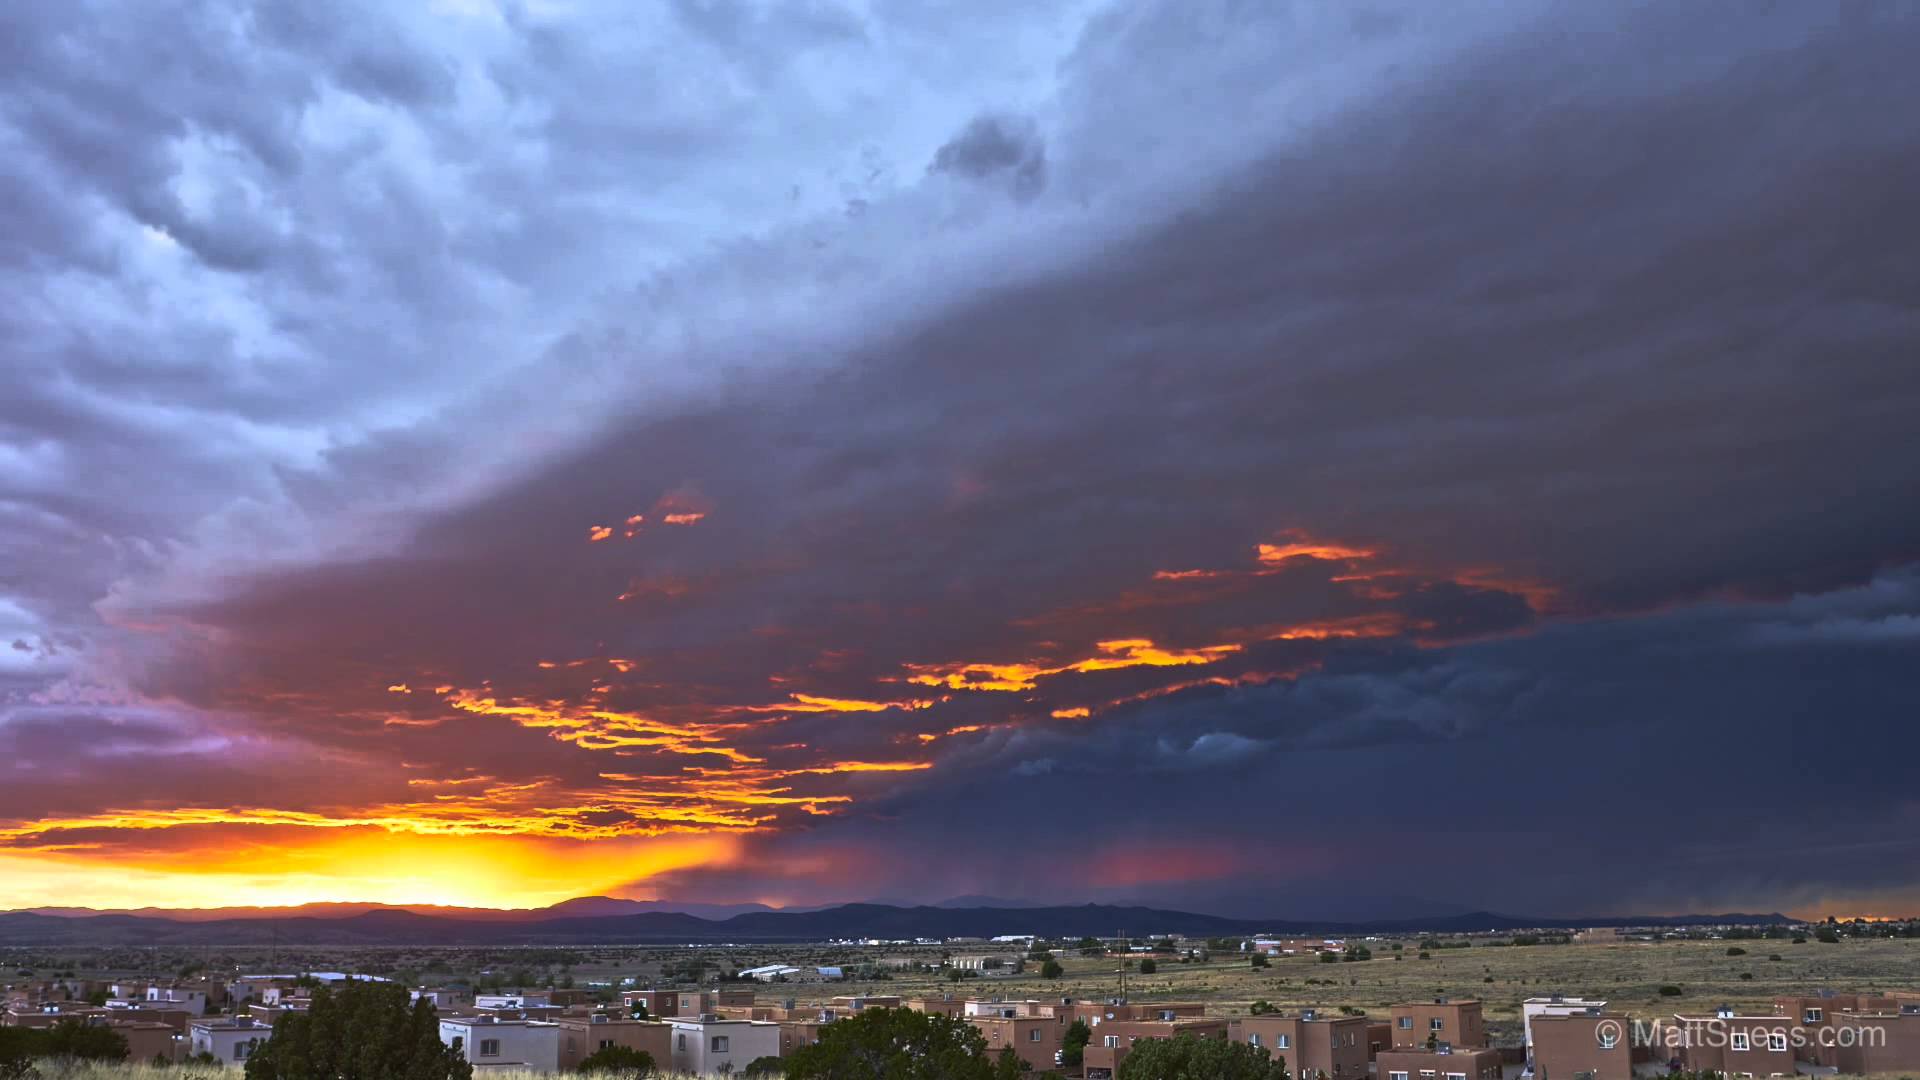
(1051, 970)
(1148, 967)
(1259, 960)
(624, 1060)
(1009, 1065)
(73, 1038)
(761, 1068)
(359, 1031)
(894, 1044)
(1073, 1047)
(1190, 1058)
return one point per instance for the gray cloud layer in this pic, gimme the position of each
(330, 340)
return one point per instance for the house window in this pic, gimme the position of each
(1811, 1016)
(1456, 1076)
(1110, 1041)
(1739, 1041)
(239, 1051)
(1253, 1040)
(489, 1047)
(719, 1044)
(1436, 1024)
(1396, 1076)
(683, 1040)
(1033, 1035)
(1406, 1022)
(606, 1044)
(1283, 1042)
(1777, 1042)
(1426, 1074)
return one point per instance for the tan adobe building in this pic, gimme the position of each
(1592, 1045)
(1312, 1043)
(1115, 1039)
(1879, 1039)
(1734, 1045)
(1035, 1039)
(583, 1036)
(1423, 1024)
(1443, 1062)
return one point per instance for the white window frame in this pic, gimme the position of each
(1777, 1042)
(719, 1044)
(482, 1045)
(1738, 1041)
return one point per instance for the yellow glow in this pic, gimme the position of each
(495, 871)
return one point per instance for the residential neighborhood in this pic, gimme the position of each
(720, 1030)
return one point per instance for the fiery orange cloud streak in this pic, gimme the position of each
(1111, 655)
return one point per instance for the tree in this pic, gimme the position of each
(69, 1038)
(1826, 935)
(1262, 1007)
(1188, 1058)
(1148, 967)
(1259, 959)
(624, 1060)
(359, 1031)
(74, 1038)
(639, 1011)
(1073, 1046)
(762, 1067)
(894, 1044)
(1051, 970)
(1009, 1065)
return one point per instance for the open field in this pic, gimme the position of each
(1627, 975)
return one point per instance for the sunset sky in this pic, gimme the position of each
(1280, 459)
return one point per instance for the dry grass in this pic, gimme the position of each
(1627, 975)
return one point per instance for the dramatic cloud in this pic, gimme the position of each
(1263, 457)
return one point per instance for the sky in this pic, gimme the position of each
(1273, 458)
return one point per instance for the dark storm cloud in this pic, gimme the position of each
(991, 145)
(1548, 355)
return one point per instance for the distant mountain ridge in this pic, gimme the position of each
(601, 921)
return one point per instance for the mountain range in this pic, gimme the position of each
(607, 920)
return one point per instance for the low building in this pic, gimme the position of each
(1735, 1045)
(1424, 1024)
(1590, 1045)
(148, 1041)
(187, 999)
(709, 1046)
(1115, 1039)
(230, 1041)
(1443, 1062)
(443, 998)
(984, 962)
(1556, 1005)
(1312, 1043)
(1033, 1037)
(583, 1036)
(945, 1005)
(494, 1042)
(1884, 1038)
